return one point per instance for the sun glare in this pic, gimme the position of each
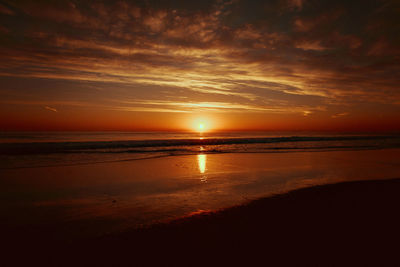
(201, 161)
(201, 125)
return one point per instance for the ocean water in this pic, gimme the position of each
(43, 149)
(96, 183)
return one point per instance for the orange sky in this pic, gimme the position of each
(166, 65)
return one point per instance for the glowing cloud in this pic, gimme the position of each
(51, 109)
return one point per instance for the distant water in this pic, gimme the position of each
(39, 149)
(112, 181)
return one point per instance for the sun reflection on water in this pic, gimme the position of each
(202, 161)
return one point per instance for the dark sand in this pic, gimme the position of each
(345, 224)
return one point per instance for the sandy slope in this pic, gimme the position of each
(345, 224)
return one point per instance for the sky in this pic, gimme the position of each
(272, 65)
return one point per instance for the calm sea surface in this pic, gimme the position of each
(40, 149)
(104, 182)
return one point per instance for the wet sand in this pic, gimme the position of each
(89, 215)
(96, 199)
(344, 224)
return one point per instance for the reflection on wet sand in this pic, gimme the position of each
(130, 194)
(202, 161)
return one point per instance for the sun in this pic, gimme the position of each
(201, 125)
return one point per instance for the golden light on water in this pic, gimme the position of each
(201, 161)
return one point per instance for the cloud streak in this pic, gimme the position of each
(51, 109)
(281, 56)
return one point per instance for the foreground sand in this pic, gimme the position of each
(345, 224)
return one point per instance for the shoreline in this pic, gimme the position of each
(343, 224)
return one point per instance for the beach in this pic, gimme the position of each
(118, 196)
(344, 224)
(329, 207)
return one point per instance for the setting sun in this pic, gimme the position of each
(202, 124)
(201, 127)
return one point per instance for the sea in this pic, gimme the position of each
(95, 183)
(45, 149)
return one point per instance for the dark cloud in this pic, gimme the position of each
(301, 55)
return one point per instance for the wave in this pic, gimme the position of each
(208, 145)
